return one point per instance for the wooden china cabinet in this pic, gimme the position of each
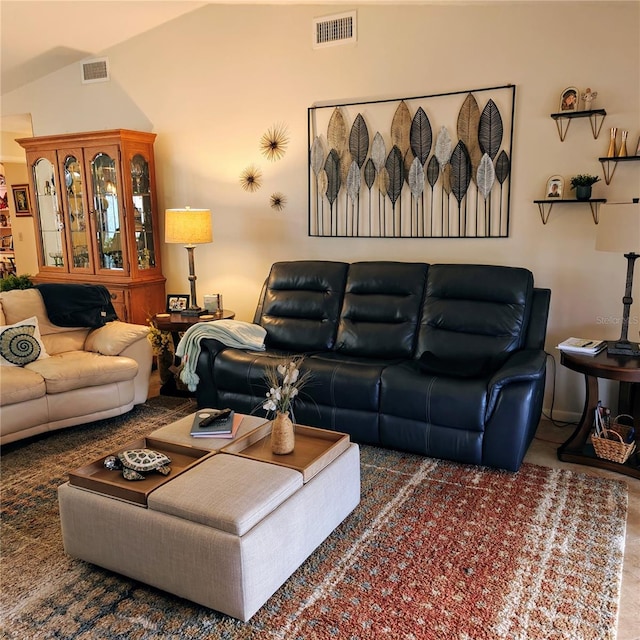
(96, 215)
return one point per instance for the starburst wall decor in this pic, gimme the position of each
(273, 143)
(278, 201)
(251, 178)
(436, 166)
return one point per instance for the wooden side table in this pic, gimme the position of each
(626, 370)
(176, 323)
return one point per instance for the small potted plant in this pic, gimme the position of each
(15, 282)
(582, 184)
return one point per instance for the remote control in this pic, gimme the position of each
(220, 415)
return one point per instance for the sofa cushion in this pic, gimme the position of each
(344, 382)
(475, 311)
(79, 369)
(459, 403)
(20, 343)
(381, 309)
(19, 384)
(65, 340)
(301, 305)
(19, 304)
(227, 492)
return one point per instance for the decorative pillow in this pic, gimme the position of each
(21, 343)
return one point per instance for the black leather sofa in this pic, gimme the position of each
(444, 360)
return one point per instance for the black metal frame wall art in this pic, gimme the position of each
(435, 166)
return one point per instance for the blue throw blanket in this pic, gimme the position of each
(232, 333)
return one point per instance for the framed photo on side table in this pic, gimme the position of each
(177, 302)
(21, 199)
(555, 187)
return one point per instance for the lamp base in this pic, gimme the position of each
(194, 311)
(623, 348)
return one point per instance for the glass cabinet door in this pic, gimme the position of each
(50, 219)
(142, 212)
(108, 222)
(75, 214)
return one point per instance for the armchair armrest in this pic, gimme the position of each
(125, 339)
(114, 337)
(528, 365)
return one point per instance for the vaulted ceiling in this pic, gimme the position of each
(39, 37)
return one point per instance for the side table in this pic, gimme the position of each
(621, 368)
(176, 323)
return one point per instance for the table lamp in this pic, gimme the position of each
(189, 227)
(619, 231)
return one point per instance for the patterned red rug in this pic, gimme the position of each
(435, 550)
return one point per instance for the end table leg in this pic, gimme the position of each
(578, 438)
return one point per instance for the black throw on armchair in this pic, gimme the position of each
(444, 360)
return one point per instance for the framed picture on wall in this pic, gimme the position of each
(555, 187)
(569, 99)
(21, 199)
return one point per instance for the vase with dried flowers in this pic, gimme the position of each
(285, 381)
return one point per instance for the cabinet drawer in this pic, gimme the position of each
(118, 300)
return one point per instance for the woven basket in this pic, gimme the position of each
(625, 426)
(612, 446)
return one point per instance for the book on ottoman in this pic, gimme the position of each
(215, 423)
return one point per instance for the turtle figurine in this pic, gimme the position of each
(135, 462)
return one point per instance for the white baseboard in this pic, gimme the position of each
(560, 416)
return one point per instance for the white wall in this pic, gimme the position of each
(212, 82)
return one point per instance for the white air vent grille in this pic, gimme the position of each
(332, 30)
(95, 70)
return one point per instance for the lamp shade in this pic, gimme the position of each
(188, 226)
(619, 228)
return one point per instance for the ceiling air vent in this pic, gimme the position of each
(336, 29)
(95, 70)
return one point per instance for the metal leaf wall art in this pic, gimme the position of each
(378, 169)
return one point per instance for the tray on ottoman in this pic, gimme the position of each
(96, 477)
(314, 448)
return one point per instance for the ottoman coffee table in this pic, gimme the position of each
(228, 530)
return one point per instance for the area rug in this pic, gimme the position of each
(435, 550)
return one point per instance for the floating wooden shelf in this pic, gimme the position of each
(594, 203)
(609, 165)
(563, 120)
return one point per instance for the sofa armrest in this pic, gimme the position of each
(527, 365)
(129, 340)
(142, 352)
(206, 391)
(114, 337)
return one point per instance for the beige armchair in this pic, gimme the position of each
(79, 375)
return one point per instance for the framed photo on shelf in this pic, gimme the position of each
(569, 100)
(177, 302)
(638, 147)
(555, 187)
(21, 199)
